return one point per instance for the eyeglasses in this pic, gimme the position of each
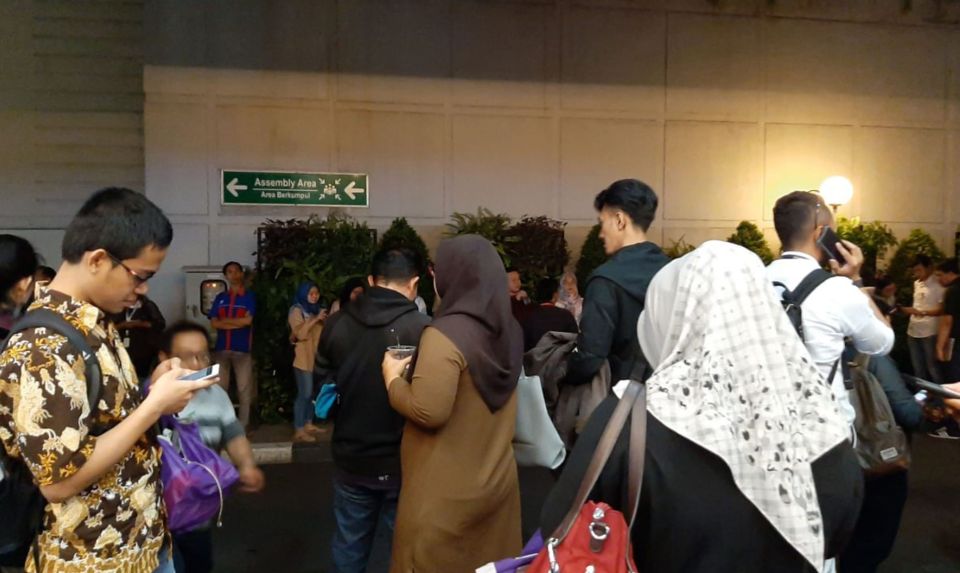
(198, 359)
(137, 278)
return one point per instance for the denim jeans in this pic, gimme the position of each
(356, 510)
(303, 405)
(923, 356)
(166, 563)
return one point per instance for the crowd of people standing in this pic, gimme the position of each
(750, 462)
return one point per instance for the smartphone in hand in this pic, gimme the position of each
(932, 389)
(205, 374)
(827, 241)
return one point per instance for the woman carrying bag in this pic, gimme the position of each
(306, 324)
(460, 500)
(747, 464)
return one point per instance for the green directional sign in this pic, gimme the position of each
(294, 188)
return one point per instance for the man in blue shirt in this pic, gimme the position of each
(232, 315)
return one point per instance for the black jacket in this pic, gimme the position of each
(614, 298)
(366, 435)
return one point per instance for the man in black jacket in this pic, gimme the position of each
(366, 436)
(616, 290)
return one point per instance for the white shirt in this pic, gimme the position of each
(927, 295)
(835, 310)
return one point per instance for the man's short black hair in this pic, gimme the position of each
(795, 215)
(949, 266)
(230, 264)
(923, 261)
(633, 197)
(546, 289)
(881, 282)
(513, 270)
(119, 221)
(394, 265)
(178, 328)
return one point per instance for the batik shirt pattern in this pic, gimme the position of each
(118, 523)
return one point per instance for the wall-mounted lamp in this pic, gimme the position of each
(836, 191)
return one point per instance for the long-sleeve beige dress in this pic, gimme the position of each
(460, 500)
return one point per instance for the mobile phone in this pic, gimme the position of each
(932, 388)
(206, 373)
(827, 241)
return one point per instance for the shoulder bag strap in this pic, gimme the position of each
(637, 456)
(810, 284)
(600, 456)
(46, 318)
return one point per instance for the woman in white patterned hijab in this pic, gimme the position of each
(732, 376)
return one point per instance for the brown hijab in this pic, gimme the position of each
(475, 314)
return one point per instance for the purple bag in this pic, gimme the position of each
(517, 564)
(195, 479)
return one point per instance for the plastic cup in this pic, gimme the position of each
(401, 351)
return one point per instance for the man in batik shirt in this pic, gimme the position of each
(97, 465)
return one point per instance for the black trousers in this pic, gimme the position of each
(877, 526)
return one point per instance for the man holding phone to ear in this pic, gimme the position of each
(97, 465)
(837, 308)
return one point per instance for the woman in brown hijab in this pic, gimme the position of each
(460, 500)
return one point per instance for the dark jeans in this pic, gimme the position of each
(923, 355)
(356, 510)
(877, 526)
(193, 551)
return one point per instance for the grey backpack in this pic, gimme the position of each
(882, 446)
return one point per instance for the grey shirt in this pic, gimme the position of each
(213, 413)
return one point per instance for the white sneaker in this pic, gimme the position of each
(942, 434)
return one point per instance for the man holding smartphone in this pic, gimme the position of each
(924, 320)
(835, 310)
(838, 308)
(97, 465)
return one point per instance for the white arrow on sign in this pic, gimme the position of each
(235, 186)
(352, 190)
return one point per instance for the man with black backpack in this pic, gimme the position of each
(828, 308)
(832, 306)
(71, 419)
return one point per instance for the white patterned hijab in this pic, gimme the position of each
(732, 375)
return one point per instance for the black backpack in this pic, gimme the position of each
(21, 503)
(793, 299)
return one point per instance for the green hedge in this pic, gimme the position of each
(325, 251)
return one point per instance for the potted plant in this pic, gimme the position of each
(874, 239)
(485, 223)
(750, 237)
(402, 235)
(537, 248)
(592, 255)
